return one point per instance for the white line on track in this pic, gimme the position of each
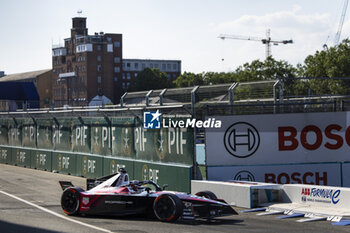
(56, 214)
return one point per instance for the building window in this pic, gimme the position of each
(99, 47)
(156, 65)
(168, 67)
(163, 67)
(115, 79)
(123, 76)
(99, 58)
(116, 69)
(99, 68)
(169, 76)
(99, 79)
(116, 44)
(174, 66)
(143, 66)
(151, 65)
(174, 75)
(124, 85)
(116, 59)
(109, 48)
(136, 65)
(135, 75)
(128, 76)
(128, 65)
(127, 84)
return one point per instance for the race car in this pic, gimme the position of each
(115, 195)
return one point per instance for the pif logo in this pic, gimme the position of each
(241, 139)
(151, 120)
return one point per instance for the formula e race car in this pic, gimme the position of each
(116, 195)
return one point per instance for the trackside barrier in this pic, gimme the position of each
(111, 165)
(41, 160)
(21, 157)
(241, 194)
(5, 155)
(296, 200)
(89, 166)
(65, 163)
(177, 176)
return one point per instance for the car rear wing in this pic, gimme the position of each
(65, 184)
(91, 183)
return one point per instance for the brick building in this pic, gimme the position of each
(87, 65)
(90, 65)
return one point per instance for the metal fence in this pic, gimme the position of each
(262, 97)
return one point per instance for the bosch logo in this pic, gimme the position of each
(244, 176)
(241, 139)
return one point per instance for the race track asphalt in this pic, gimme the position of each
(30, 202)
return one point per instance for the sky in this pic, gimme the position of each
(185, 30)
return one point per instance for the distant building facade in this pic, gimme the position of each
(86, 66)
(90, 65)
(41, 80)
(131, 67)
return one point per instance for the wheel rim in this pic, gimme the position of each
(69, 201)
(165, 208)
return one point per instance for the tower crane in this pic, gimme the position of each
(266, 41)
(340, 26)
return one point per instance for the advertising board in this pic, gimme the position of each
(318, 174)
(279, 139)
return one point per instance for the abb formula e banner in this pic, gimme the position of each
(279, 139)
(328, 174)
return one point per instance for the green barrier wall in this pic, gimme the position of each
(112, 165)
(41, 159)
(89, 166)
(65, 163)
(5, 155)
(97, 146)
(178, 178)
(21, 157)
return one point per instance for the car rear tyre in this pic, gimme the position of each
(70, 200)
(207, 194)
(167, 207)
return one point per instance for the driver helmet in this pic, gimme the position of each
(134, 184)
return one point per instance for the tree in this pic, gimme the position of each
(266, 70)
(189, 79)
(331, 63)
(150, 79)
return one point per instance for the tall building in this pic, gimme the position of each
(131, 67)
(86, 66)
(90, 65)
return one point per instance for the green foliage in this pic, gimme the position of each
(266, 70)
(254, 71)
(150, 79)
(189, 79)
(334, 62)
